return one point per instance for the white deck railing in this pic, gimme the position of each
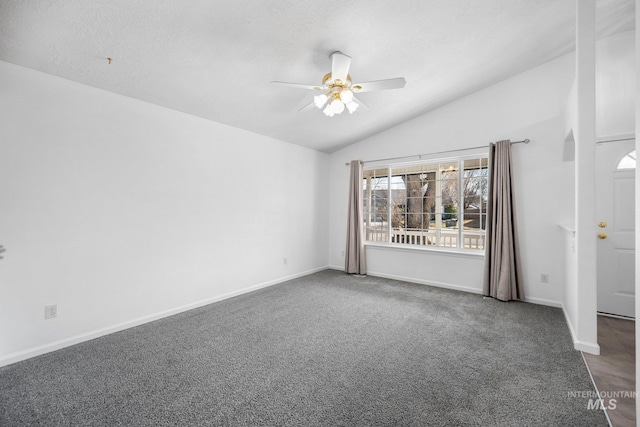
(442, 238)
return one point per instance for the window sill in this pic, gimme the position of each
(468, 253)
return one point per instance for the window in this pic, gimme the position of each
(628, 161)
(430, 204)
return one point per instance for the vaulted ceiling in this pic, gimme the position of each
(216, 58)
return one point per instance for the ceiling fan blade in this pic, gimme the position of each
(340, 64)
(299, 86)
(362, 104)
(307, 107)
(395, 83)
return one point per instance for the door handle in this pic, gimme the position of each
(602, 236)
(602, 224)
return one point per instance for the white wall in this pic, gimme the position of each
(529, 105)
(120, 211)
(615, 91)
(615, 86)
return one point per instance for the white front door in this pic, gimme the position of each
(615, 213)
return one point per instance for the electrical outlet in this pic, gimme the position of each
(51, 311)
(285, 261)
(544, 278)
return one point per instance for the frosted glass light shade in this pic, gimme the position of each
(337, 106)
(346, 96)
(320, 100)
(352, 107)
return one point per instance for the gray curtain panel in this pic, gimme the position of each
(354, 262)
(502, 270)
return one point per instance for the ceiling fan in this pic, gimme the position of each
(338, 90)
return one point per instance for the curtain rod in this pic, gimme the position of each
(524, 141)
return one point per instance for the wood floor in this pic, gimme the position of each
(614, 369)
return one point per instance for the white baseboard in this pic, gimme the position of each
(587, 347)
(426, 282)
(542, 301)
(57, 345)
(539, 301)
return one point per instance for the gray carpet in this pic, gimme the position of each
(324, 350)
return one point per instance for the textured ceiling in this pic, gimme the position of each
(215, 59)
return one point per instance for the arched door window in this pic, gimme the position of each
(628, 161)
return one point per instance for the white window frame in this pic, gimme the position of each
(460, 250)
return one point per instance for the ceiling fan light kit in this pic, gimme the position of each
(335, 102)
(338, 90)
